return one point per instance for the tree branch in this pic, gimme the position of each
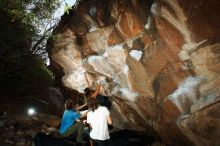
(35, 47)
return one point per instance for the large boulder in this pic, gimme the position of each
(158, 61)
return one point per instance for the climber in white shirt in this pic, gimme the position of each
(98, 119)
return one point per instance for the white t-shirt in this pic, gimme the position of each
(99, 123)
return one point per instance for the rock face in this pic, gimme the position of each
(158, 61)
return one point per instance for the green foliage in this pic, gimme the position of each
(39, 71)
(67, 8)
(22, 38)
(30, 78)
(35, 15)
(30, 11)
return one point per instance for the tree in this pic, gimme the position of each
(36, 15)
(25, 25)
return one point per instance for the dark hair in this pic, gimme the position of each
(92, 103)
(69, 104)
(88, 92)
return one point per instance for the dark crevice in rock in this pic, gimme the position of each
(149, 3)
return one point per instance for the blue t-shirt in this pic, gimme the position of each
(69, 118)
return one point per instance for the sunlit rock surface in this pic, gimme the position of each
(158, 61)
